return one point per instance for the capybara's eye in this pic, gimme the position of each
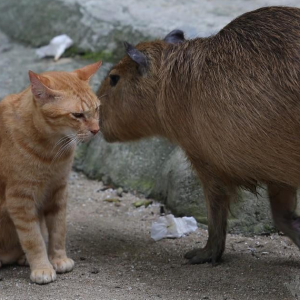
(114, 79)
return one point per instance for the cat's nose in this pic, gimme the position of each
(94, 131)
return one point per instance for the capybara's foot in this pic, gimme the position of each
(62, 265)
(203, 255)
(283, 200)
(291, 227)
(43, 275)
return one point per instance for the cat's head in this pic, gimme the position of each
(65, 103)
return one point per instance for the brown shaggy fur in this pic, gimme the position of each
(231, 101)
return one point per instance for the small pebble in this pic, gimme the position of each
(94, 271)
(119, 192)
(104, 189)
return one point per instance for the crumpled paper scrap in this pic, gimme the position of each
(56, 47)
(170, 227)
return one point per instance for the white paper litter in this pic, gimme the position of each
(56, 48)
(170, 227)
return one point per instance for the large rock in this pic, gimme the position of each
(103, 25)
(160, 170)
(135, 166)
(152, 166)
(16, 60)
(179, 188)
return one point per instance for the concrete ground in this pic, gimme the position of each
(116, 258)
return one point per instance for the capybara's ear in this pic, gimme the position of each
(175, 37)
(137, 56)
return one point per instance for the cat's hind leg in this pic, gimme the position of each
(22, 261)
(10, 257)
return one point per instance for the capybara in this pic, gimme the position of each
(231, 101)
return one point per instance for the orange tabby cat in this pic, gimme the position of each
(39, 129)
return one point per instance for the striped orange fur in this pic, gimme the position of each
(39, 129)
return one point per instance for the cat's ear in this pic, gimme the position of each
(87, 72)
(39, 87)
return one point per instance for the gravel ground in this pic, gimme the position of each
(111, 245)
(116, 258)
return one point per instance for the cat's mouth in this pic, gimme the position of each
(84, 138)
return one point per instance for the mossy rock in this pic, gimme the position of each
(134, 166)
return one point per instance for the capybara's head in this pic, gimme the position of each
(128, 94)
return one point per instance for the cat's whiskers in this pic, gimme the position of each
(62, 140)
(83, 136)
(64, 148)
(68, 144)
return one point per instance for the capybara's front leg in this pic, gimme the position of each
(217, 202)
(283, 200)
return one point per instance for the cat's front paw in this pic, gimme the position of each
(63, 265)
(43, 275)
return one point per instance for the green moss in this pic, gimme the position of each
(73, 51)
(268, 228)
(189, 210)
(143, 185)
(104, 55)
(96, 56)
(202, 220)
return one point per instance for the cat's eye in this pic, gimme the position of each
(114, 79)
(78, 115)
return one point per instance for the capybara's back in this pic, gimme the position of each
(231, 101)
(236, 97)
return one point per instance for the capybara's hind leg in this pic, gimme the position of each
(217, 202)
(283, 200)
